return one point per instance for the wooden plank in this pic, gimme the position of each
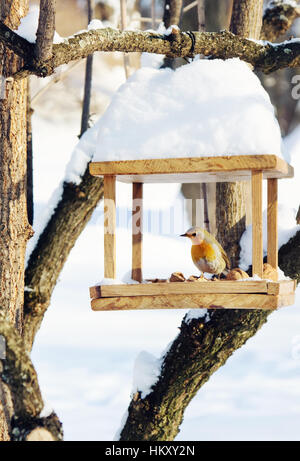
(186, 177)
(273, 222)
(193, 165)
(150, 289)
(192, 301)
(137, 231)
(283, 287)
(110, 227)
(257, 227)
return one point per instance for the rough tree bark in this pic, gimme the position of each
(20, 399)
(246, 19)
(223, 45)
(45, 31)
(14, 227)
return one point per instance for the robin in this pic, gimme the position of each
(207, 254)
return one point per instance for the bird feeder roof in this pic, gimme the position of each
(208, 108)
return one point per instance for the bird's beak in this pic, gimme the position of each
(183, 235)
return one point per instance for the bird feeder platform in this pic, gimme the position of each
(252, 294)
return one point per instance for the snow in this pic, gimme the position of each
(197, 314)
(29, 25)
(273, 3)
(95, 24)
(108, 281)
(145, 373)
(152, 60)
(208, 107)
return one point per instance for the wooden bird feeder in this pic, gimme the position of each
(252, 294)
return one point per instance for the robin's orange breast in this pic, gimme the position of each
(204, 250)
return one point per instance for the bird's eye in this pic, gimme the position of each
(194, 234)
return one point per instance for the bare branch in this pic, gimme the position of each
(46, 29)
(72, 213)
(223, 45)
(88, 80)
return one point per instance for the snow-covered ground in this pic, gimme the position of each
(86, 360)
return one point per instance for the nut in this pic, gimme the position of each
(237, 274)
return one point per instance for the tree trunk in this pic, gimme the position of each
(14, 226)
(231, 198)
(246, 19)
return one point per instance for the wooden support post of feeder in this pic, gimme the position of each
(257, 227)
(273, 222)
(110, 226)
(137, 231)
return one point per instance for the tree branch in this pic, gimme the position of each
(197, 352)
(18, 44)
(72, 213)
(223, 45)
(278, 18)
(85, 116)
(46, 29)
(19, 375)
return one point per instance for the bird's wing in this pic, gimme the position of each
(225, 257)
(223, 252)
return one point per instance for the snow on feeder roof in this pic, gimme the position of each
(206, 108)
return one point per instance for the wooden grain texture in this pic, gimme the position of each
(137, 232)
(257, 227)
(222, 164)
(273, 222)
(110, 227)
(150, 289)
(283, 287)
(193, 301)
